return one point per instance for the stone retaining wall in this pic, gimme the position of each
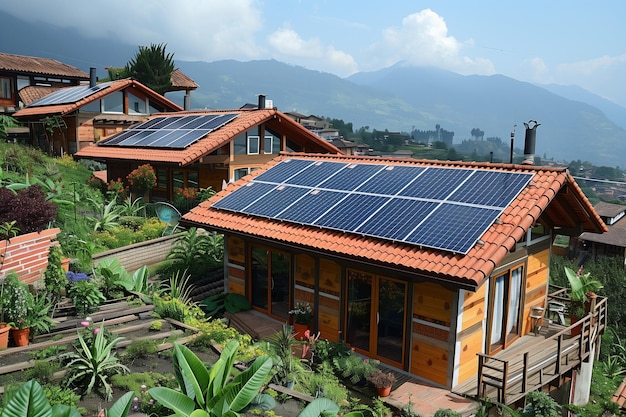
(135, 256)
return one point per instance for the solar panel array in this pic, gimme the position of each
(176, 132)
(69, 95)
(436, 207)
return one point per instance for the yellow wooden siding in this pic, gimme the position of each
(429, 360)
(473, 308)
(236, 250)
(468, 361)
(536, 286)
(433, 302)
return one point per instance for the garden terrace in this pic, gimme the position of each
(120, 318)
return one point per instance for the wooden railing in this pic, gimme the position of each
(509, 376)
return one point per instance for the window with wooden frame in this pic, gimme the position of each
(506, 302)
(6, 88)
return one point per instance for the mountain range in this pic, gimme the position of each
(574, 123)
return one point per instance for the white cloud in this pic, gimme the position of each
(289, 45)
(423, 39)
(192, 29)
(537, 70)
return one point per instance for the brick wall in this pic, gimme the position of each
(27, 254)
(135, 256)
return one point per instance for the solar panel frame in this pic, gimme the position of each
(181, 131)
(69, 95)
(239, 201)
(417, 205)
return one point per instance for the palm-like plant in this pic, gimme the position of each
(93, 364)
(212, 392)
(108, 216)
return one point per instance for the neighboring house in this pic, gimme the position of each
(347, 147)
(312, 122)
(18, 72)
(71, 118)
(612, 243)
(431, 267)
(204, 148)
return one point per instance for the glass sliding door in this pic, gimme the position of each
(269, 280)
(376, 316)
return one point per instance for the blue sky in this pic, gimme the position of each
(562, 42)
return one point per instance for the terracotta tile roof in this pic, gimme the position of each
(33, 93)
(214, 140)
(114, 86)
(620, 395)
(180, 81)
(469, 271)
(42, 66)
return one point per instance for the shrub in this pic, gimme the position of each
(139, 349)
(42, 371)
(142, 179)
(86, 297)
(28, 208)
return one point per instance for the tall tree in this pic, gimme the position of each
(153, 67)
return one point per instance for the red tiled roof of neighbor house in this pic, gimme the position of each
(63, 109)
(214, 140)
(180, 81)
(32, 93)
(468, 271)
(42, 66)
(620, 395)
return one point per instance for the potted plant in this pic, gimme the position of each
(16, 303)
(142, 179)
(383, 381)
(356, 368)
(582, 289)
(302, 315)
(4, 329)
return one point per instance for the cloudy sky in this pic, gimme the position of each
(559, 41)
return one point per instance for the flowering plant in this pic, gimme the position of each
(143, 178)
(17, 301)
(303, 313)
(74, 277)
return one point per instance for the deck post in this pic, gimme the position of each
(557, 365)
(505, 381)
(480, 376)
(525, 372)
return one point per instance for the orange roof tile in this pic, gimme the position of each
(114, 86)
(180, 81)
(43, 66)
(214, 140)
(32, 93)
(467, 270)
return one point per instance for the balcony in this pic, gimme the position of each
(538, 360)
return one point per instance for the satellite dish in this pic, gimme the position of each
(169, 215)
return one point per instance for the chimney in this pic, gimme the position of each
(92, 77)
(529, 142)
(261, 105)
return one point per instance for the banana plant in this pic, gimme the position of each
(211, 392)
(30, 400)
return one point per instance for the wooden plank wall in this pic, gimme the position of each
(236, 265)
(328, 310)
(470, 337)
(432, 309)
(536, 286)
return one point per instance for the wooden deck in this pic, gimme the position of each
(536, 361)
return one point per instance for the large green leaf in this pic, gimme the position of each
(174, 400)
(319, 406)
(62, 410)
(29, 401)
(194, 374)
(121, 407)
(248, 383)
(220, 371)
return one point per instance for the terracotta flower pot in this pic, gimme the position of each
(4, 336)
(299, 329)
(383, 391)
(20, 336)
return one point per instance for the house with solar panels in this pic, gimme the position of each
(70, 118)
(437, 269)
(21, 77)
(201, 149)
